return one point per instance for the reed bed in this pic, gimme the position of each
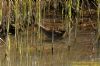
(28, 39)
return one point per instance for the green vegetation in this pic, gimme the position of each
(23, 12)
(0, 11)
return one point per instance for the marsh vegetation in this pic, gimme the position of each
(49, 32)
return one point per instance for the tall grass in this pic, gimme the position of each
(23, 10)
(98, 13)
(0, 16)
(77, 18)
(70, 19)
(8, 47)
(0, 11)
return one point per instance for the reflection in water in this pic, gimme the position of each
(41, 55)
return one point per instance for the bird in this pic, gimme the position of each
(57, 34)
